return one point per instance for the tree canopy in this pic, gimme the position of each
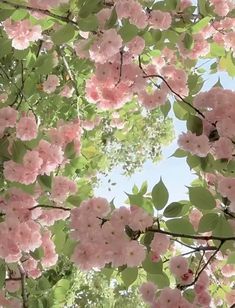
(87, 85)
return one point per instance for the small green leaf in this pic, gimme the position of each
(64, 34)
(18, 151)
(216, 50)
(201, 24)
(160, 195)
(59, 240)
(152, 267)
(180, 225)
(201, 198)
(188, 41)
(223, 228)
(208, 222)
(179, 153)
(2, 273)
(194, 124)
(45, 181)
(128, 32)
(129, 275)
(161, 280)
(144, 188)
(90, 23)
(231, 258)
(173, 210)
(112, 19)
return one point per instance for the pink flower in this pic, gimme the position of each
(8, 117)
(223, 148)
(160, 243)
(22, 32)
(106, 46)
(67, 91)
(194, 217)
(61, 188)
(135, 254)
(230, 297)
(160, 20)
(139, 220)
(203, 298)
(32, 160)
(50, 85)
(26, 128)
(148, 290)
(169, 298)
(178, 266)
(226, 187)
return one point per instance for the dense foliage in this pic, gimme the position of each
(86, 85)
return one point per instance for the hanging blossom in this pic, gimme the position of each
(22, 32)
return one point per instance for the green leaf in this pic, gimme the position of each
(180, 225)
(2, 273)
(202, 7)
(144, 188)
(216, 50)
(89, 7)
(201, 24)
(223, 228)
(69, 247)
(129, 275)
(44, 64)
(188, 41)
(165, 108)
(231, 258)
(228, 65)
(5, 47)
(38, 253)
(179, 153)
(194, 124)
(173, 210)
(152, 267)
(70, 150)
(44, 283)
(160, 195)
(161, 280)
(179, 111)
(90, 23)
(208, 222)
(18, 151)
(201, 198)
(128, 32)
(45, 181)
(136, 199)
(112, 19)
(59, 240)
(64, 34)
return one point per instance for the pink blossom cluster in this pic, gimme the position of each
(168, 298)
(50, 84)
(159, 246)
(180, 269)
(222, 7)
(41, 4)
(219, 119)
(200, 47)
(19, 232)
(22, 32)
(61, 188)
(102, 234)
(45, 157)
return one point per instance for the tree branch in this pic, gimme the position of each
(43, 11)
(204, 266)
(50, 207)
(23, 286)
(195, 237)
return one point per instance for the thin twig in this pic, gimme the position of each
(43, 11)
(23, 285)
(196, 237)
(49, 207)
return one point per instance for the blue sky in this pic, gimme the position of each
(175, 172)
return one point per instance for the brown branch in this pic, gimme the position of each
(176, 94)
(23, 286)
(43, 11)
(121, 65)
(195, 237)
(204, 266)
(50, 207)
(70, 73)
